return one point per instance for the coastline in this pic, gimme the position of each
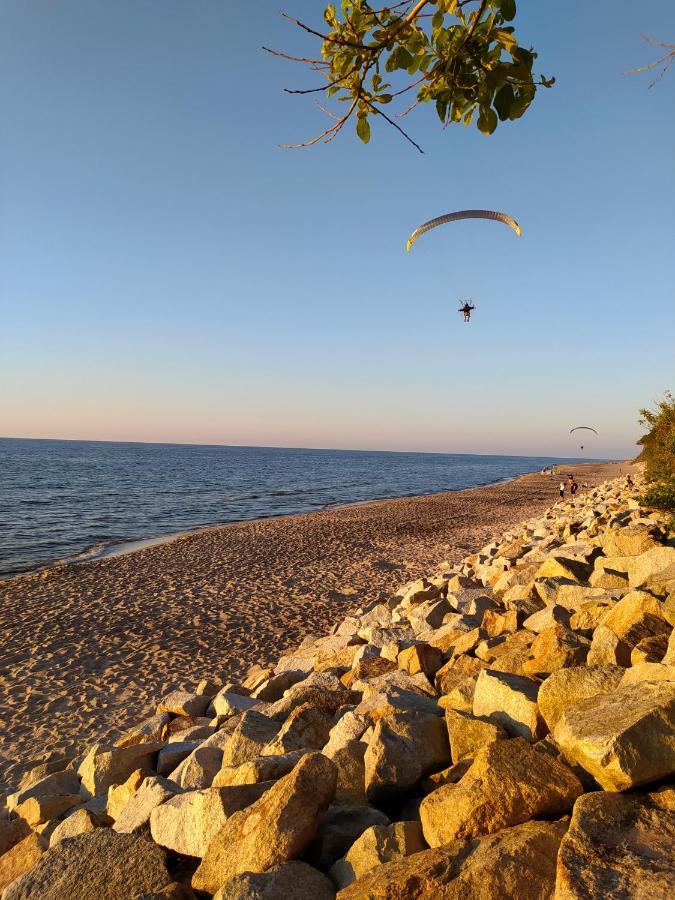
(126, 546)
(89, 646)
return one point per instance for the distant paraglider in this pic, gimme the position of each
(467, 309)
(582, 428)
(464, 214)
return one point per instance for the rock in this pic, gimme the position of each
(150, 729)
(428, 615)
(607, 649)
(649, 649)
(630, 540)
(262, 768)
(498, 623)
(508, 783)
(636, 616)
(460, 697)
(11, 832)
(79, 822)
(588, 617)
(104, 766)
(556, 648)
(55, 784)
(404, 747)
(136, 814)
(55, 763)
(127, 865)
(294, 880)
(351, 781)
(451, 775)
(377, 845)
(275, 829)
(253, 732)
(20, 858)
(568, 567)
(419, 591)
(307, 728)
(545, 618)
(646, 671)
(37, 810)
(173, 754)
(517, 863)
(227, 704)
(273, 688)
(187, 823)
(510, 701)
(392, 699)
(568, 686)
(194, 734)
(617, 846)
(653, 570)
(623, 739)
(421, 658)
(368, 668)
(339, 827)
(183, 703)
(349, 727)
(468, 734)
(456, 671)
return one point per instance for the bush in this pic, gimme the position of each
(658, 453)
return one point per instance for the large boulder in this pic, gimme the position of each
(568, 686)
(517, 862)
(135, 816)
(623, 739)
(184, 703)
(294, 880)
(252, 733)
(468, 734)
(510, 701)
(94, 866)
(636, 616)
(508, 783)
(377, 845)
(188, 822)
(618, 846)
(554, 648)
(275, 829)
(403, 748)
(21, 858)
(339, 827)
(262, 768)
(104, 766)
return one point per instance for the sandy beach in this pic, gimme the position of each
(88, 649)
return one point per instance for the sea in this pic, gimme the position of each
(76, 500)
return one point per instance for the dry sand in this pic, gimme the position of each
(89, 649)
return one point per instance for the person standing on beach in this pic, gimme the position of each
(573, 487)
(562, 490)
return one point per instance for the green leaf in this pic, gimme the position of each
(487, 120)
(508, 9)
(503, 100)
(363, 129)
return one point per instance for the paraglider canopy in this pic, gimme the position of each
(582, 428)
(464, 214)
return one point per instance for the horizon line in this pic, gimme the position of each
(311, 449)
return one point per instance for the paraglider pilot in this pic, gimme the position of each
(467, 309)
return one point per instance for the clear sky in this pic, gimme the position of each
(168, 273)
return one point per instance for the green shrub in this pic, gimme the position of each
(658, 453)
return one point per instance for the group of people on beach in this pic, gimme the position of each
(574, 487)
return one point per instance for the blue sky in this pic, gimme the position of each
(168, 273)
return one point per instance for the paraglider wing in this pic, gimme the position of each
(464, 214)
(583, 428)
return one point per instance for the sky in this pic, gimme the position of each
(168, 273)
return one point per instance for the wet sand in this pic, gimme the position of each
(89, 649)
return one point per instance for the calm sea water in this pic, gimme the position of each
(61, 498)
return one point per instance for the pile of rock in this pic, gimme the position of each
(503, 729)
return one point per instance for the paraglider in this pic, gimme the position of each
(464, 214)
(467, 309)
(582, 428)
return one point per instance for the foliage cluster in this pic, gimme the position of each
(658, 453)
(460, 55)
